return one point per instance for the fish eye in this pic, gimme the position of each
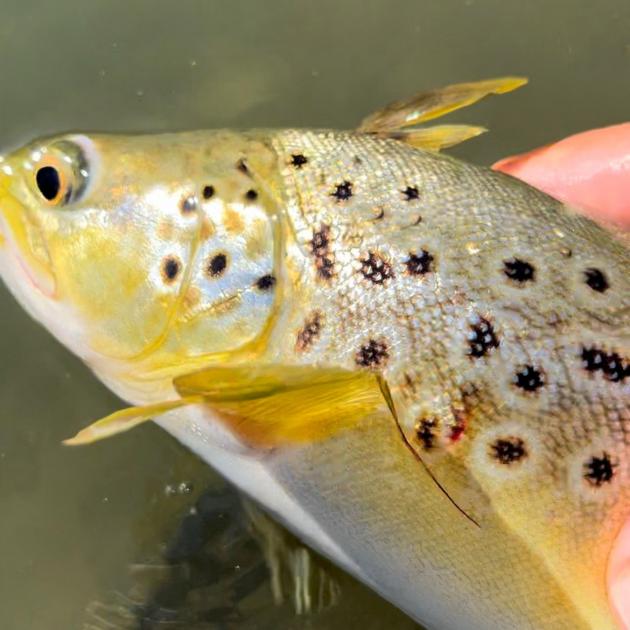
(61, 174)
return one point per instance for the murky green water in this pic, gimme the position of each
(136, 527)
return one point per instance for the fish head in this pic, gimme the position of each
(142, 254)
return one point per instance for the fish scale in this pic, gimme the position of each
(460, 226)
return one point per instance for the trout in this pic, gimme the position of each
(418, 365)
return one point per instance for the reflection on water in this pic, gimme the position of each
(102, 537)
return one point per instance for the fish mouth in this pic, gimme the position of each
(23, 245)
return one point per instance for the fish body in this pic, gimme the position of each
(417, 364)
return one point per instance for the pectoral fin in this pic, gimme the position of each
(124, 420)
(278, 405)
(266, 406)
(429, 105)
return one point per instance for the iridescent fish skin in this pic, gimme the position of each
(487, 487)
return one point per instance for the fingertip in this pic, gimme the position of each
(619, 577)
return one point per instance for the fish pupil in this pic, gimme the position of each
(48, 182)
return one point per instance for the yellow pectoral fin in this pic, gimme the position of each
(428, 105)
(124, 420)
(438, 137)
(278, 405)
(266, 406)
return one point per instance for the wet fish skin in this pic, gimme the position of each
(497, 317)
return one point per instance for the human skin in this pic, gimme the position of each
(589, 169)
(592, 171)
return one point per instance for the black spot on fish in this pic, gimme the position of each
(410, 193)
(375, 269)
(599, 470)
(170, 268)
(426, 432)
(593, 359)
(518, 270)
(251, 195)
(207, 192)
(217, 265)
(342, 191)
(419, 264)
(482, 338)
(374, 354)
(324, 258)
(611, 364)
(529, 378)
(265, 283)
(614, 369)
(508, 450)
(309, 333)
(596, 280)
(298, 160)
(188, 204)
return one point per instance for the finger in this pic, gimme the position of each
(619, 577)
(590, 170)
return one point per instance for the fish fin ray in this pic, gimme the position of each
(123, 420)
(435, 103)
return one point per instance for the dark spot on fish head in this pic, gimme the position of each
(596, 280)
(508, 450)
(251, 195)
(171, 266)
(217, 265)
(207, 192)
(266, 283)
(599, 469)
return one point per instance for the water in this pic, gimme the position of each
(97, 528)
